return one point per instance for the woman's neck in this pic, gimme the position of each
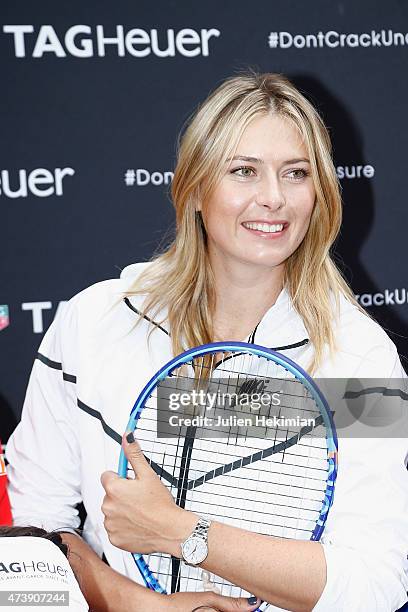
(243, 295)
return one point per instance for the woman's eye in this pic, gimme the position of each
(243, 171)
(298, 174)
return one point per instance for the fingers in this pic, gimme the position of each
(228, 604)
(134, 455)
(207, 602)
(213, 601)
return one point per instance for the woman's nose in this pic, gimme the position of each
(270, 193)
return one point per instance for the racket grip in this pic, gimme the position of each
(123, 464)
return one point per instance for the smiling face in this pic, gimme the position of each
(259, 212)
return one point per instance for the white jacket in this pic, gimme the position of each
(93, 362)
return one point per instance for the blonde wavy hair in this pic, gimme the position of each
(181, 280)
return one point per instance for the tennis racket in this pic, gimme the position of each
(269, 466)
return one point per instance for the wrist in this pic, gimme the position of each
(181, 525)
(133, 597)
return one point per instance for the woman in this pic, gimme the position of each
(258, 208)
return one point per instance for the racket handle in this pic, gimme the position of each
(123, 464)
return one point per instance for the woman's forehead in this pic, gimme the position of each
(271, 136)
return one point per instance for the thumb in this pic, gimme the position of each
(230, 604)
(134, 455)
(107, 478)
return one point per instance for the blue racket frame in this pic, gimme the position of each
(253, 349)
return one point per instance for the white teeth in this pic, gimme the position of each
(264, 227)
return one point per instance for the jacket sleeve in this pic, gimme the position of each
(43, 452)
(366, 537)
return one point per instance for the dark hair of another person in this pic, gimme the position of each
(52, 536)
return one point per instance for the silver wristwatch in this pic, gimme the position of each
(195, 549)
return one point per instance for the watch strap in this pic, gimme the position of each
(201, 529)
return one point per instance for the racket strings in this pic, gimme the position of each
(190, 484)
(273, 495)
(293, 405)
(290, 401)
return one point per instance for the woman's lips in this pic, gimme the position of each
(266, 229)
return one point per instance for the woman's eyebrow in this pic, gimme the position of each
(297, 160)
(257, 160)
(254, 160)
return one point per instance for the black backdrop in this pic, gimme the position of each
(81, 118)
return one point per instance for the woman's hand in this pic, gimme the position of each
(203, 602)
(141, 515)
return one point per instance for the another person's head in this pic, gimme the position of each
(37, 532)
(31, 555)
(264, 112)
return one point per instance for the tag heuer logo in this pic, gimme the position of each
(4, 317)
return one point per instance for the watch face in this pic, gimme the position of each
(195, 550)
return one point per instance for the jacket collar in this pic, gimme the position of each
(281, 327)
